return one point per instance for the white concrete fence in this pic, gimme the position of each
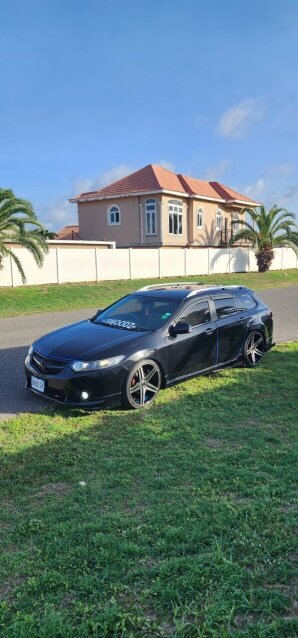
(93, 261)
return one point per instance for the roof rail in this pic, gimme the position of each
(174, 284)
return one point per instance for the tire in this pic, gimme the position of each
(254, 349)
(142, 384)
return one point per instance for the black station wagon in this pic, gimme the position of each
(151, 339)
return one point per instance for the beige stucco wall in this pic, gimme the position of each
(208, 235)
(93, 221)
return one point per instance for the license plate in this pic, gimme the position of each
(37, 384)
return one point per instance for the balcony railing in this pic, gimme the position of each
(227, 233)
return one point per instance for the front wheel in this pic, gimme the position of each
(142, 384)
(254, 349)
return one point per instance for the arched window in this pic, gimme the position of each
(150, 216)
(114, 216)
(175, 217)
(200, 218)
(218, 220)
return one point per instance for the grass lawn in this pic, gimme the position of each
(47, 298)
(184, 526)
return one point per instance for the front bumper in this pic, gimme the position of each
(103, 387)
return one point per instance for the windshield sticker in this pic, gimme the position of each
(121, 323)
(166, 315)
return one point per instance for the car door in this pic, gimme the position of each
(231, 327)
(195, 351)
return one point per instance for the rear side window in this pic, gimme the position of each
(196, 314)
(225, 306)
(245, 300)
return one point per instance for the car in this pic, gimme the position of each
(153, 338)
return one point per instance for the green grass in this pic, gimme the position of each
(26, 300)
(185, 527)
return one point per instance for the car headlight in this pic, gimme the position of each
(86, 366)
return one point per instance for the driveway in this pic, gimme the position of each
(17, 334)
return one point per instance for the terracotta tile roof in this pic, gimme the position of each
(156, 178)
(228, 193)
(69, 232)
(195, 186)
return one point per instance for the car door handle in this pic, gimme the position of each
(209, 331)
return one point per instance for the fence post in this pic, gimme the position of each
(129, 257)
(185, 257)
(96, 265)
(229, 260)
(11, 271)
(159, 263)
(208, 260)
(57, 265)
(282, 258)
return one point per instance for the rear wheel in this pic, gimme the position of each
(142, 384)
(254, 349)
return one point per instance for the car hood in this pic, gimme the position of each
(85, 341)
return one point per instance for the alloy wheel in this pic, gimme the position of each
(255, 347)
(144, 384)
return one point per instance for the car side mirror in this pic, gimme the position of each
(181, 328)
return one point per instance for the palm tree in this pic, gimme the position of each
(19, 224)
(267, 230)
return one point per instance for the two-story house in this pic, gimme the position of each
(156, 207)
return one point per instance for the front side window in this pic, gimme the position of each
(114, 216)
(150, 217)
(225, 306)
(218, 220)
(197, 314)
(200, 218)
(175, 218)
(138, 312)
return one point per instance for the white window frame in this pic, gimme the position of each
(218, 217)
(113, 209)
(201, 213)
(237, 227)
(151, 226)
(175, 209)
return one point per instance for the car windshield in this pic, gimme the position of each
(138, 312)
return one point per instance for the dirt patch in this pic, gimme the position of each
(9, 586)
(219, 444)
(53, 489)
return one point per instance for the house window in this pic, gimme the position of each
(236, 227)
(175, 217)
(114, 216)
(150, 217)
(200, 218)
(218, 220)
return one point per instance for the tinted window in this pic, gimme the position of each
(224, 306)
(138, 312)
(197, 314)
(245, 300)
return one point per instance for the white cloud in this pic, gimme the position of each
(165, 164)
(257, 189)
(236, 121)
(82, 185)
(216, 172)
(57, 214)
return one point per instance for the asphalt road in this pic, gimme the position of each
(17, 334)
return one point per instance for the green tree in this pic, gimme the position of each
(19, 224)
(266, 230)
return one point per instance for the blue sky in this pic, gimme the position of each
(92, 90)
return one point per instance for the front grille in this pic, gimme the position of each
(46, 365)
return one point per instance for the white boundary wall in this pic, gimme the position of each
(92, 261)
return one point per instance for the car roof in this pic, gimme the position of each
(184, 290)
